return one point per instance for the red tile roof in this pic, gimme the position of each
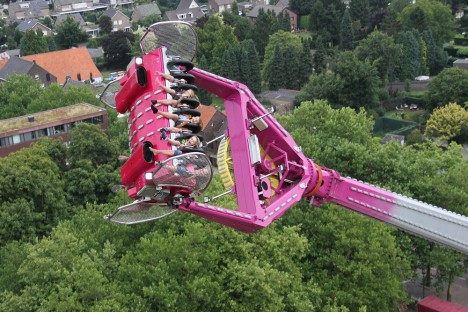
(65, 63)
(206, 112)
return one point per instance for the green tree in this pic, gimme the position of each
(214, 38)
(51, 44)
(265, 25)
(90, 142)
(448, 86)
(203, 95)
(325, 85)
(55, 96)
(149, 20)
(377, 5)
(292, 67)
(105, 24)
(353, 83)
(69, 34)
(285, 41)
(33, 43)
(360, 11)
(325, 18)
(359, 80)
(301, 7)
(235, 8)
(344, 134)
(60, 272)
(277, 75)
(284, 22)
(436, 56)
(306, 64)
(346, 32)
(446, 122)
(412, 63)
(230, 64)
(433, 14)
(16, 94)
(225, 283)
(241, 24)
(382, 52)
(320, 57)
(32, 194)
(117, 48)
(244, 67)
(47, 21)
(254, 80)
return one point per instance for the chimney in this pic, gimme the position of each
(30, 118)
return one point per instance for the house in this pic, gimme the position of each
(28, 10)
(121, 4)
(75, 63)
(218, 6)
(459, 13)
(119, 20)
(33, 25)
(461, 63)
(17, 65)
(293, 19)
(11, 53)
(75, 6)
(145, 10)
(214, 125)
(19, 132)
(186, 15)
(253, 14)
(280, 7)
(187, 4)
(74, 16)
(91, 30)
(96, 53)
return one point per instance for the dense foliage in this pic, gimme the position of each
(57, 252)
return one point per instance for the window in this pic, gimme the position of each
(181, 16)
(16, 139)
(115, 22)
(41, 132)
(47, 76)
(27, 136)
(59, 129)
(97, 120)
(4, 142)
(120, 22)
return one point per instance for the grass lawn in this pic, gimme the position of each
(411, 115)
(414, 93)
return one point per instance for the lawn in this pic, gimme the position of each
(411, 115)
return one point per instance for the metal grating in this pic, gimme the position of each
(179, 38)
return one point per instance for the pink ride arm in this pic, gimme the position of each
(270, 172)
(302, 178)
(424, 220)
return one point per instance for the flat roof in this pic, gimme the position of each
(46, 117)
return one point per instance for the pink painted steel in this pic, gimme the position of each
(143, 125)
(355, 195)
